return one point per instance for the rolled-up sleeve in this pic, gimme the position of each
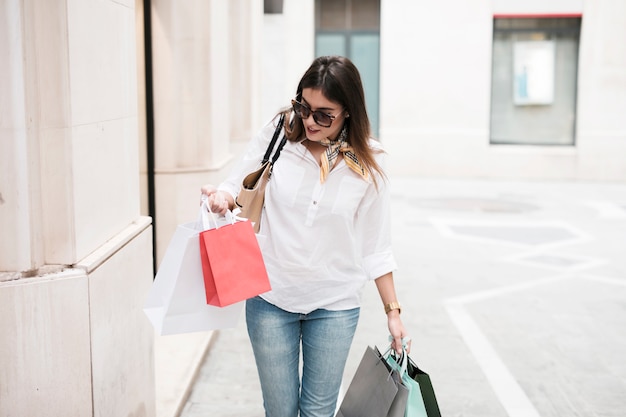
(379, 264)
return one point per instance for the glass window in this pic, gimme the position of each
(534, 79)
(273, 6)
(351, 28)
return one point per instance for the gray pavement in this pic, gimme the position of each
(514, 294)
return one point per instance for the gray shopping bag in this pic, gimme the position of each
(375, 391)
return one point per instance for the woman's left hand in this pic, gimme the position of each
(396, 329)
(387, 292)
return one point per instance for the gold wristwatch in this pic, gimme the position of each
(393, 306)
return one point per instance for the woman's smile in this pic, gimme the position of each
(311, 132)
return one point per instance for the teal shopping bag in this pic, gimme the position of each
(421, 401)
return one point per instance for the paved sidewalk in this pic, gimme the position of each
(514, 294)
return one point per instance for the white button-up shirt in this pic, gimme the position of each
(320, 241)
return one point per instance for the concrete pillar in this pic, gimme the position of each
(246, 33)
(191, 105)
(205, 69)
(75, 255)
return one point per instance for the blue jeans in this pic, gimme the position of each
(276, 334)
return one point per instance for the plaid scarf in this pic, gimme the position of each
(333, 150)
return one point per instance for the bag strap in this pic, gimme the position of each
(268, 152)
(280, 148)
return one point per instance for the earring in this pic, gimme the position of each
(344, 133)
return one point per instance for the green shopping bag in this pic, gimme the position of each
(426, 388)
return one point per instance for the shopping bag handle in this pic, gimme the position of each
(208, 219)
(405, 342)
(403, 361)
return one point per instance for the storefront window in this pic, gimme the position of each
(534, 81)
(352, 28)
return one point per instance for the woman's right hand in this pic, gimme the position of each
(218, 201)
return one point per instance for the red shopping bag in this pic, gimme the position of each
(232, 264)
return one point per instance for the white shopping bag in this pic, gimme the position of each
(176, 302)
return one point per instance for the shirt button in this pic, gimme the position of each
(314, 202)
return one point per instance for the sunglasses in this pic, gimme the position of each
(303, 112)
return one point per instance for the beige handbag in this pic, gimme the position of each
(252, 194)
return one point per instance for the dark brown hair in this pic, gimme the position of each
(339, 81)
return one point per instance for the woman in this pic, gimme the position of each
(325, 231)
